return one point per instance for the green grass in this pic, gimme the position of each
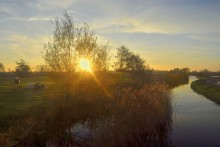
(17, 102)
(209, 91)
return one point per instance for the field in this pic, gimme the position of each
(16, 102)
(116, 109)
(207, 87)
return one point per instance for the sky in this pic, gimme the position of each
(166, 33)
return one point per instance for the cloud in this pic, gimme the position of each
(163, 17)
(35, 18)
(53, 4)
(209, 37)
(180, 29)
(20, 46)
(24, 43)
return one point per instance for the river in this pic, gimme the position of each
(196, 120)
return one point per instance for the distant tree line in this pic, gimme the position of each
(180, 70)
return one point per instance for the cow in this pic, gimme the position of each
(17, 81)
(38, 86)
(35, 86)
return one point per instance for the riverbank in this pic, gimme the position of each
(207, 89)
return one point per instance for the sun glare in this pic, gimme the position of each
(85, 64)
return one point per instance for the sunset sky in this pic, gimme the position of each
(166, 33)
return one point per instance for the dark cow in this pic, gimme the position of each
(17, 81)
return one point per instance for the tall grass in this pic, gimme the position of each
(140, 117)
(117, 113)
(171, 79)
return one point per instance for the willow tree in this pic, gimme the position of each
(70, 42)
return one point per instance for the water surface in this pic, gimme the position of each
(196, 120)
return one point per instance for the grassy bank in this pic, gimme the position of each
(211, 92)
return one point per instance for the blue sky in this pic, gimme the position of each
(166, 33)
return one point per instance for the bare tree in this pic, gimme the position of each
(59, 52)
(101, 58)
(86, 42)
(87, 46)
(70, 43)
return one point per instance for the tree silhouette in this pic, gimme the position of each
(22, 66)
(70, 43)
(2, 68)
(185, 70)
(127, 60)
(101, 60)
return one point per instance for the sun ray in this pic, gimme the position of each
(85, 65)
(99, 83)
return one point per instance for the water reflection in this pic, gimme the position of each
(195, 119)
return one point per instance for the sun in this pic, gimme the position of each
(85, 64)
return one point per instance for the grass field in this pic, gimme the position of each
(112, 105)
(16, 102)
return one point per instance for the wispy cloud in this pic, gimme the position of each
(208, 38)
(179, 29)
(36, 18)
(20, 46)
(53, 4)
